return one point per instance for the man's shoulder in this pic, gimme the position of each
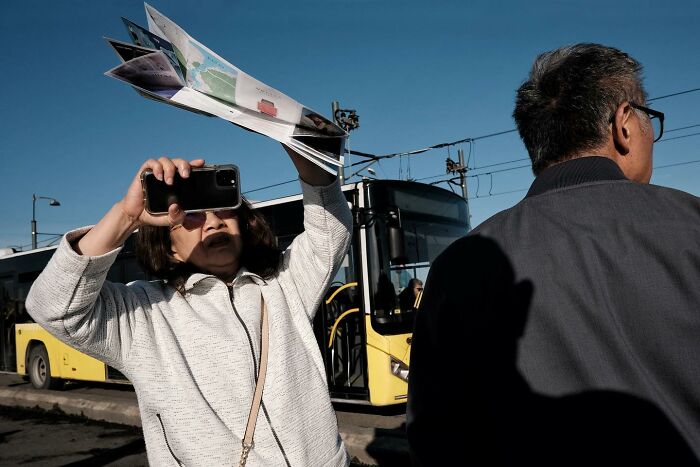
(480, 242)
(619, 188)
(681, 196)
(496, 222)
(594, 202)
(646, 199)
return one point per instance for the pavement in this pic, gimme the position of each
(372, 436)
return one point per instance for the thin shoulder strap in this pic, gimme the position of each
(257, 397)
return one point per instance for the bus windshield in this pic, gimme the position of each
(431, 218)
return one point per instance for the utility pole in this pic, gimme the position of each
(463, 184)
(461, 169)
(341, 170)
(348, 120)
(462, 178)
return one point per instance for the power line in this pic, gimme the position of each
(527, 158)
(270, 186)
(482, 167)
(501, 170)
(676, 164)
(52, 238)
(682, 128)
(658, 167)
(499, 193)
(471, 140)
(490, 135)
(678, 137)
(478, 168)
(435, 146)
(672, 95)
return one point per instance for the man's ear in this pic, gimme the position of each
(621, 131)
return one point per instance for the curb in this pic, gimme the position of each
(367, 445)
(121, 412)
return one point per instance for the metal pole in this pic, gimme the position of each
(334, 109)
(463, 184)
(33, 221)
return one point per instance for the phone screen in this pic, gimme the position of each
(207, 188)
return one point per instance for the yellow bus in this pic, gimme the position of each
(363, 327)
(29, 350)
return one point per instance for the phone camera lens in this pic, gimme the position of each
(225, 177)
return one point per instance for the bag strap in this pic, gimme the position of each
(257, 396)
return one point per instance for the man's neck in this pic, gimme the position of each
(575, 172)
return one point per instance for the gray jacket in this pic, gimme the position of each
(191, 358)
(576, 316)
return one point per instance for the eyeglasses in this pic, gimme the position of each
(655, 117)
(195, 220)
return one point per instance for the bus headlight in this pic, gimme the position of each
(399, 369)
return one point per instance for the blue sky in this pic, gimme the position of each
(418, 73)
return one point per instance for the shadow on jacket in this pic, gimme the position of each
(470, 405)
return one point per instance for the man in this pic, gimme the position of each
(408, 298)
(566, 330)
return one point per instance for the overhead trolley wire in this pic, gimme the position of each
(679, 137)
(682, 128)
(673, 95)
(374, 157)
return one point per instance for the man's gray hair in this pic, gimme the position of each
(565, 107)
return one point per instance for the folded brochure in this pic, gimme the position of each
(168, 65)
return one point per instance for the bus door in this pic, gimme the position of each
(9, 309)
(340, 331)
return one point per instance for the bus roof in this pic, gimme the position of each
(11, 253)
(28, 252)
(289, 199)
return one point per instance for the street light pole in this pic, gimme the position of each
(52, 202)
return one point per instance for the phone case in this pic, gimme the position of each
(208, 188)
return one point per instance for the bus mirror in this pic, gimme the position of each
(397, 240)
(397, 245)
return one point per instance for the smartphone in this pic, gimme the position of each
(208, 188)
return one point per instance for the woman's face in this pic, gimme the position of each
(210, 241)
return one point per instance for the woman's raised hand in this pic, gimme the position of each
(163, 169)
(130, 213)
(308, 171)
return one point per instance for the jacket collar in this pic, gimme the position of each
(198, 277)
(575, 172)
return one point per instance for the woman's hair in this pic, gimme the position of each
(260, 254)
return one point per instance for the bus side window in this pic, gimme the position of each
(133, 271)
(345, 273)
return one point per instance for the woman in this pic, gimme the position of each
(191, 344)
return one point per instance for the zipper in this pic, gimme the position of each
(255, 369)
(162, 427)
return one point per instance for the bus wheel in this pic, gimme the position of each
(40, 369)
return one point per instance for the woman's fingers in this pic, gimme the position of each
(169, 169)
(176, 216)
(164, 169)
(155, 167)
(184, 167)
